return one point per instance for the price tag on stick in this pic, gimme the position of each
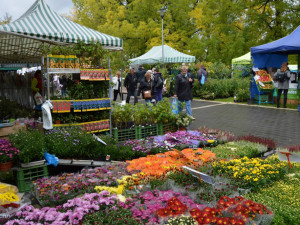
(201, 176)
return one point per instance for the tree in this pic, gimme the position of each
(6, 19)
(212, 30)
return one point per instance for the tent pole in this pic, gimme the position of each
(298, 66)
(42, 69)
(110, 96)
(121, 75)
(48, 78)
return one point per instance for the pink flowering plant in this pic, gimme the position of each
(182, 138)
(72, 212)
(146, 205)
(58, 189)
(7, 151)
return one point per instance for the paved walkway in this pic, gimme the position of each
(281, 125)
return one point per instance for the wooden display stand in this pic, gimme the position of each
(5, 131)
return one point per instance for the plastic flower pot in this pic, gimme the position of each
(6, 166)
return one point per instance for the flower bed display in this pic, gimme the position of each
(235, 210)
(182, 138)
(58, 189)
(155, 206)
(239, 149)
(264, 141)
(250, 173)
(284, 199)
(159, 164)
(71, 212)
(221, 136)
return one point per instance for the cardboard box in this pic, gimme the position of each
(5, 131)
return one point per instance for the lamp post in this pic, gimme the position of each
(162, 11)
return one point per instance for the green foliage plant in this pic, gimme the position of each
(31, 144)
(162, 112)
(239, 149)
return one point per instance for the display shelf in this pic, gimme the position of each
(90, 127)
(70, 65)
(260, 95)
(75, 162)
(86, 105)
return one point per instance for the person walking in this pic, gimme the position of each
(147, 87)
(63, 82)
(36, 87)
(183, 89)
(283, 76)
(117, 81)
(159, 84)
(131, 84)
(202, 72)
(140, 74)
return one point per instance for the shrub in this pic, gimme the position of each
(215, 88)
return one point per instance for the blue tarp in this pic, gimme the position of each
(275, 53)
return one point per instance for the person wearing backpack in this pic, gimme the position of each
(282, 76)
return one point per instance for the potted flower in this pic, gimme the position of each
(7, 153)
(183, 120)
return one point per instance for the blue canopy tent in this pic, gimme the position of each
(275, 53)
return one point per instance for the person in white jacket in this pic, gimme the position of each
(117, 81)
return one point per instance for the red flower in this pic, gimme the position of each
(208, 220)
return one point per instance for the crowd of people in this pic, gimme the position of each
(149, 85)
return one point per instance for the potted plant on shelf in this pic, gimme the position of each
(7, 154)
(183, 120)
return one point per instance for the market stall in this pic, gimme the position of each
(154, 55)
(23, 41)
(273, 54)
(241, 66)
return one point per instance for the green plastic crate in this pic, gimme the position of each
(147, 131)
(125, 134)
(165, 128)
(25, 176)
(263, 98)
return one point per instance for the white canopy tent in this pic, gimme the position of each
(154, 55)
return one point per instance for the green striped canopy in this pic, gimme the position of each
(244, 59)
(154, 55)
(20, 41)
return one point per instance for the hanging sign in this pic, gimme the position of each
(94, 74)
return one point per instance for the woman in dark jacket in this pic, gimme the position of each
(146, 85)
(283, 85)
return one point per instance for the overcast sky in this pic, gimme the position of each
(16, 8)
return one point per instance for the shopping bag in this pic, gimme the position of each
(174, 106)
(202, 79)
(51, 159)
(38, 98)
